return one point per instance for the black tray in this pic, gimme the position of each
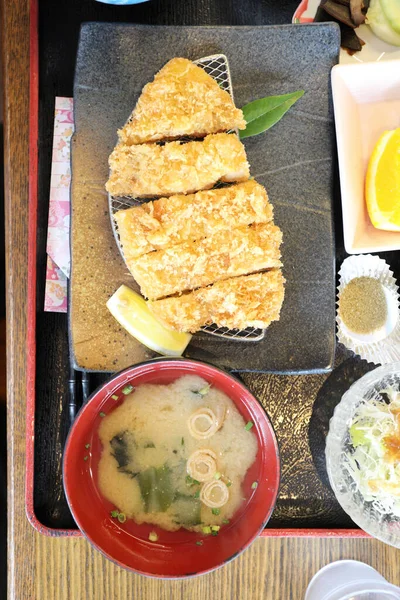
(299, 406)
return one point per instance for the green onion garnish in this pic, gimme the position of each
(87, 445)
(215, 511)
(114, 513)
(121, 517)
(203, 390)
(229, 483)
(114, 397)
(217, 475)
(199, 543)
(102, 414)
(254, 485)
(197, 494)
(182, 441)
(214, 533)
(191, 481)
(85, 457)
(215, 527)
(127, 389)
(206, 529)
(225, 521)
(153, 537)
(248, 426)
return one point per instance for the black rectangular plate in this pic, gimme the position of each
(305, 500)
(294, 160)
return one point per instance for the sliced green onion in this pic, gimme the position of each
(191, 481)
(206, 529)
(214, 533)
(121, 517)
(102, 414)
(197, 494)
(254, 485)
(114, 397)
(248, 426)
(153, 537)
(114, 513)
(215, 527)
(85, 457)
(215, 511)
(87, 445)
(229, 483)
(217, 475)
(182, 441)
(127, 389)
(203, 390)
(225, 521)
(199, 543)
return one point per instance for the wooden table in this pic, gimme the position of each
(53, 569)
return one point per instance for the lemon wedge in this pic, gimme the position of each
(131, 311)
(382, 185)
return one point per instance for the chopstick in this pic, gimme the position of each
(85, 387)
(72, 392)
(72, 407)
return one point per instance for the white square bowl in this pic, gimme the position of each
(366, 100)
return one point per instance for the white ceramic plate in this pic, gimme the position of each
(374, 49)
(366, 100)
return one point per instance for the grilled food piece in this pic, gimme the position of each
(196, 264)
(176, 168)
(237, 303)
(181, 101)
(170, 221)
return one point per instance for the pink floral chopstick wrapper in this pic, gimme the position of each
(58, 250)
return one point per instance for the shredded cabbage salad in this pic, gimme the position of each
(370, 462)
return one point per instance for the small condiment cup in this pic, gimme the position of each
(381, 346)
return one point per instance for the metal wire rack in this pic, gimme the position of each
(217, 67)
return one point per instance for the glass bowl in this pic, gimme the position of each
(366, 514)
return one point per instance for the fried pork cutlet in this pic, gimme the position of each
(181, 101)
(196, 264)
(170, 221)
(237, 303)
(176, 168)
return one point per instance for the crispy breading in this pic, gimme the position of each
(237, 303)
(170, 221)
(196, 264)
(176, 168)
(183, 100)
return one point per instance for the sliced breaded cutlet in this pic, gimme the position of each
(183, 100)
(176, 168)
(246, 301)
(196, 264)
(170, 221)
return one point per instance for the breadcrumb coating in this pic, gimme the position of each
(237, 303)
(170, 221)
(196, 264)
(182, 100)
(176, 168)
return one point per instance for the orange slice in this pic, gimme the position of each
(382, 186)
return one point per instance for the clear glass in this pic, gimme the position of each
(371, 596)
(383, 527)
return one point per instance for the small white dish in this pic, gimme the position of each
(366, 100)
(374, 49)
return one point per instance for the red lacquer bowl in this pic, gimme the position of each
(175, 554)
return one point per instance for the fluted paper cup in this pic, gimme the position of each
(382, 346)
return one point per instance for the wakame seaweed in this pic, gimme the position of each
(122, 446)
(156, 489)
(186, 509)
